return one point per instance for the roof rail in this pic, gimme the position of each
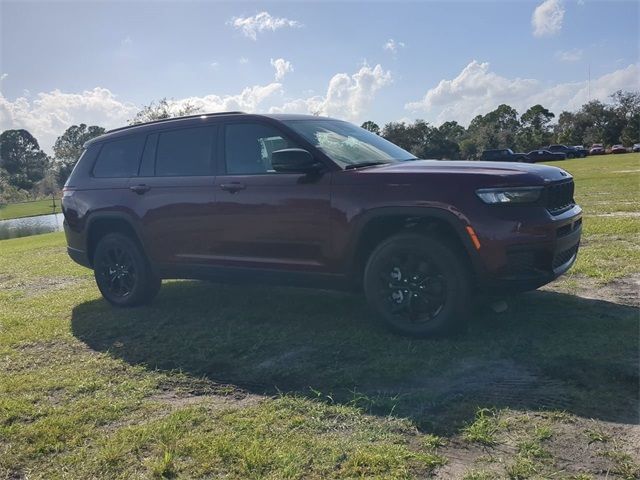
(198, 115)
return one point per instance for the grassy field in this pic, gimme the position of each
(28, 209)
(233, 382)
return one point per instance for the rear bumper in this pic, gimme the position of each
(79, 256)
(75, 240)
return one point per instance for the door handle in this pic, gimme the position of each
(140, 189)
(232, 187)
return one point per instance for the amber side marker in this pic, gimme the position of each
(474, 237)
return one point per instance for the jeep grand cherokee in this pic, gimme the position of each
(317, 202)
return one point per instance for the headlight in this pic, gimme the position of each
(509, 195)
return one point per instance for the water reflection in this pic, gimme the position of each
(23, 227)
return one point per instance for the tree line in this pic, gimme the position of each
(27, 172)
(595, 122)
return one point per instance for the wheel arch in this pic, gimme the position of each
(101, 224)
(380, 224)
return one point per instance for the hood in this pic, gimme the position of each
(509, 172)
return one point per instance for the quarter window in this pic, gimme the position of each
(248, 148)
(185, 152)
(119, 158)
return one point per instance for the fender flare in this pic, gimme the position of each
(119, 216)
(454, 219)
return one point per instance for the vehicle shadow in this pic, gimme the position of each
(549, 351)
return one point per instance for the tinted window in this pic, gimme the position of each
(119, 158)
(248, 147)
(185, 152)
(347, 144)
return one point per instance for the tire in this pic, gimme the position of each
(122, 272)
(431, 299)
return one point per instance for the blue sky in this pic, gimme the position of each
(98, 62)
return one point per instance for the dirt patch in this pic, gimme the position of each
(178, 400)
(575, 446)
(480, 382)
(283, 359)
(619, 214)
(36, 285)
(623, 291)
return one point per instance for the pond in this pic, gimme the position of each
(23, 227)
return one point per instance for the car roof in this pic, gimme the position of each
(148, 127)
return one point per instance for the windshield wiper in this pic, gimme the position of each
(364, 164)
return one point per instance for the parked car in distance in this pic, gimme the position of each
(597, 149)
(545, 156)
(618, 149)
(570, 152)
(503, 155)
(582, 152)
(313, 202)
(636, 147)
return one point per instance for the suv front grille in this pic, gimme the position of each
(559, 197)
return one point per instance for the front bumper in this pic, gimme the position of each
(529, 264)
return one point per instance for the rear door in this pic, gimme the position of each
(266, 219)
(173, 195)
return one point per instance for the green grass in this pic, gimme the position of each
(261, 382)
(608, 190)
(28, 209)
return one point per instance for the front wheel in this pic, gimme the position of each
(122, 272)
(417, 285)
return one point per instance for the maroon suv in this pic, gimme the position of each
(317, 202)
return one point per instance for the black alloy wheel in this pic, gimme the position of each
(418, 285)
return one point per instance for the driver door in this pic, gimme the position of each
(265, 219)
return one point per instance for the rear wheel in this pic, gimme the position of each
(417, 285)
(122, 272)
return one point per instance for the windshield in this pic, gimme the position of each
(348, 145)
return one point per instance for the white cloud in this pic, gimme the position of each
(347, 96)
(261, 22)
(574, 55)
(282, 67)
(547, 18)
(392, 46)
(478, 90)
(243, 60)
(248, 100)
(126, 41)
(214, 65)
(3, 76)
(49, 114)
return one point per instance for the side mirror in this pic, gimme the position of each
(293, 160)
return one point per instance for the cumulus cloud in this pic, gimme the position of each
(347, 96)
(392, 46)
(248, 100)
(3, 76)
(574, 55)
(261, 22)
(478, 90)
(547, 18)
(282, 67)
(50, 114)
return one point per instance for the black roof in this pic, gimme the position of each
(192, 119)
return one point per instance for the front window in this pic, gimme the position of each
(348, 145)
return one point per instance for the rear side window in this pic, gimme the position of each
(119, 158)
(186, 152)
